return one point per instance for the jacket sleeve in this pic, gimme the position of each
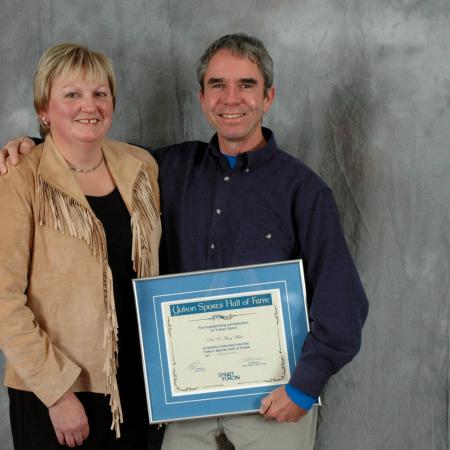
(43, 368)
(337, 303)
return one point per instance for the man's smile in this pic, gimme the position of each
(232, 116)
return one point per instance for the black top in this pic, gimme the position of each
(115, 218)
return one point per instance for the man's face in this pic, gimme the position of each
(233, 101)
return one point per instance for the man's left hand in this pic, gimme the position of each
(278, 406)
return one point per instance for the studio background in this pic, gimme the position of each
(363, 97)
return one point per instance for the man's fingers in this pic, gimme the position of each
(3, 168)
(26, 145)
(265, 404)
(3, 158)
(11, 150)
(21, 146)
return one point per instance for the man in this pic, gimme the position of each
(241, 200)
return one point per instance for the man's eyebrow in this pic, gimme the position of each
(251, 81)
(211, 81)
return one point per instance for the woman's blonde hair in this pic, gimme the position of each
(68, 60)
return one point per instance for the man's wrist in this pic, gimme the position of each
(301, 399)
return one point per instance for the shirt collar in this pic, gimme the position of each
(250, 159)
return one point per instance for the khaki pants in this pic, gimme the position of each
(245, 432)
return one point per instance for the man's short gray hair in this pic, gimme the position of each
(242, 45)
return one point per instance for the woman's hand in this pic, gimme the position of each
(12, 149)
(69, 420)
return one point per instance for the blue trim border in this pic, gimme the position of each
(151, 293)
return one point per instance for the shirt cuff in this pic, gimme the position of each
(301, 399)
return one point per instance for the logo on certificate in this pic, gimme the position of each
(229, 376)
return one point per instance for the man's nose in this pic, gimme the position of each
(231, 95)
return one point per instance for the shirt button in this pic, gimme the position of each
(212, 246)
(247, 170)
(218, 211)
(226, 179)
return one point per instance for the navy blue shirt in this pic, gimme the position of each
(270, 207)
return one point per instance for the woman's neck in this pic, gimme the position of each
(80, 155)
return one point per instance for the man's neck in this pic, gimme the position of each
(235, 148)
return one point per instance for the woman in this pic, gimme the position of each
(80, 218)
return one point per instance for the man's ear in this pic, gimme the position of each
(269, 98)
(201, 97)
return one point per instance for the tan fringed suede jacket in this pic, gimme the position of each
(58, 327)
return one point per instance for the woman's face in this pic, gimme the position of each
(79, 110)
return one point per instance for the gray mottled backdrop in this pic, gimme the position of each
(363, 98)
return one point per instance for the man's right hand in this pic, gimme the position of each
(69, 420)
(10, 151)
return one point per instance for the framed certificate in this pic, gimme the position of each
(216, 342)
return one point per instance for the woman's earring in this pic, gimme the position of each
(44, 121)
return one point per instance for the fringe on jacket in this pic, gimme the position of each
(58, 210)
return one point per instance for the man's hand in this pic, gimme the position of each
(69, 420)
(278, 406)
(10, 151)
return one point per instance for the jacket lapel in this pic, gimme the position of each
(55, 171)
(124, 168)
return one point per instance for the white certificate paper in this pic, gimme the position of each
(223, 342)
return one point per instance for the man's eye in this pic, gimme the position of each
(217, 86)
(246, 86)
